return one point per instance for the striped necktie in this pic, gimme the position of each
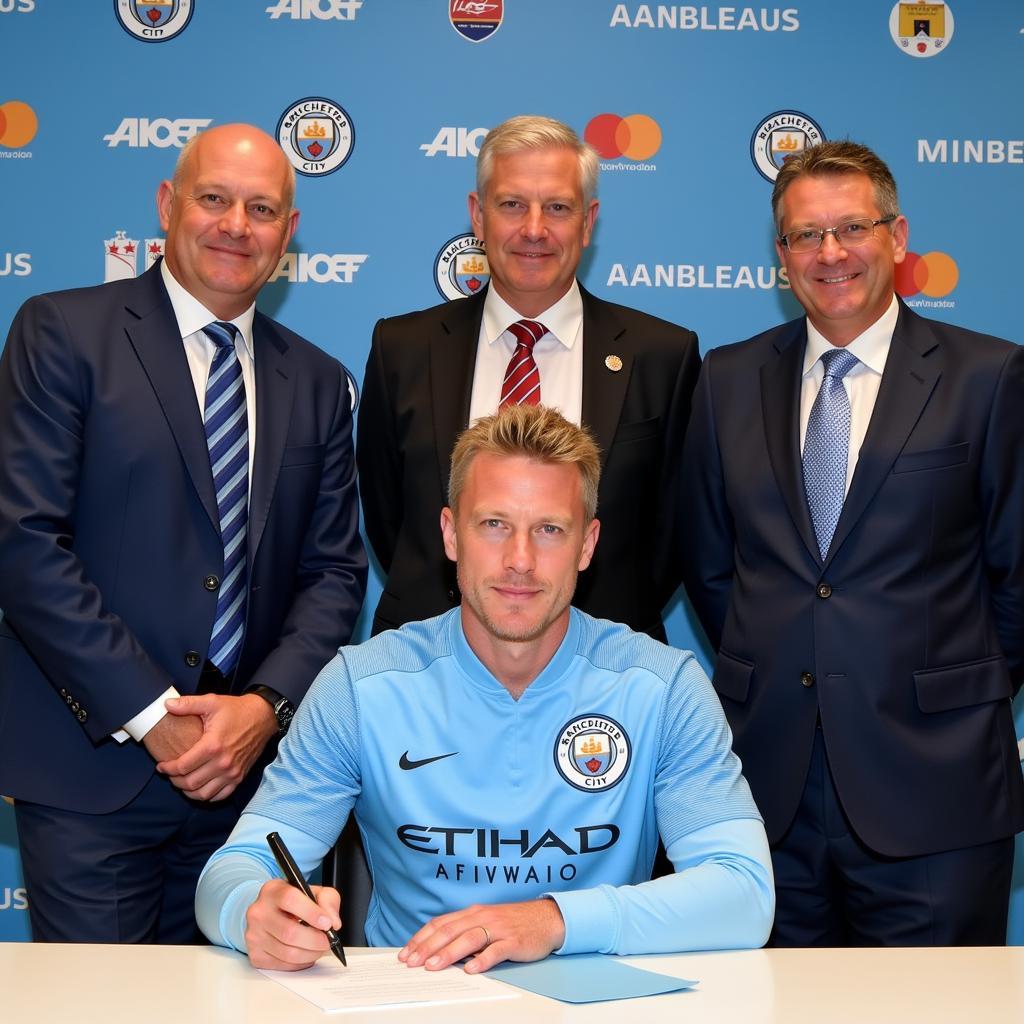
(827, 446)
(521, 385)
(227, 437)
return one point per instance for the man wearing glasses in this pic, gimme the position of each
(856, 556)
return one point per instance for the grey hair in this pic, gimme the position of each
(532, 131)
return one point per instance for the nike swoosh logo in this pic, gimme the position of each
(407, 766)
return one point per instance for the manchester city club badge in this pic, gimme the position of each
(460, 267)
(153, 21)
(317, 136)
(780, 136)
(592, 752)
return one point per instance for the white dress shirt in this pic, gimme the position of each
(192, 317)
(558, 355)
(862, 382)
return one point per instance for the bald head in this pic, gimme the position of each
(243, 135)
(228, 216)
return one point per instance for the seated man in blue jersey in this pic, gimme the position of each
(510, 763)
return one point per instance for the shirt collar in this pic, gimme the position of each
(482, 677)
(193, 316)
(871, 347)
(563, 319)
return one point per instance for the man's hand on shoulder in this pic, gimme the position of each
(488, 934)
(275, 933)
(235, 731)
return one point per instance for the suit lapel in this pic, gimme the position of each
(604, 389)
(780, 403)
(452, 359)
(275, 389)
(157, 343)
(911, 373)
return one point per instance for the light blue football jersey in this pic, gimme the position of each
(465, 795)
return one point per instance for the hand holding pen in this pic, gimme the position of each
(294, 877)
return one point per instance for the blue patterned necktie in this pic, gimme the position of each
(827, 447)
(227, 437)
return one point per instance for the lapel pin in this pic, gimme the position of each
(614, 363)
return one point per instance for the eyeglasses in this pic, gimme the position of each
(849, 235)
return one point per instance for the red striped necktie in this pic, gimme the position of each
(521, 385)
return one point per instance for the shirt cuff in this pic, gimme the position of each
(589, 917)
(137, 727)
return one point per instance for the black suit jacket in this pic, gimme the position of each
(109, 528)
(416, 398)
(908, 639)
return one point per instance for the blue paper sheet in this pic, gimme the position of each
(587, 978)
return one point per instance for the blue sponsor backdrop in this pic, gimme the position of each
(395, 95)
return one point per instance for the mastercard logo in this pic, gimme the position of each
(934, 274)
(637, 137)
(18, 124)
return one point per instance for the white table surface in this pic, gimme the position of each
(82, 984)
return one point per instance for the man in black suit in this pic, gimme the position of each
(178, 516)
(625, 375)
(855, 482)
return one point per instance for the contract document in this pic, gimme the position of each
(377, 980)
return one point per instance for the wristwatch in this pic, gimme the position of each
(284, 709)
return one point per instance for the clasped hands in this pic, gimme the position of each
(278, 939)
(206, 743)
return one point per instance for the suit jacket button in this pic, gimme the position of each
(824, 590)
(211, 582)
(63, 692)
(807, 679)
(82, 716)
(191, 658)
(68, 699)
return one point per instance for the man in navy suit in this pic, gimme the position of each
(855, 482)
(135, 713)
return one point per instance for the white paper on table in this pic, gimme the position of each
(378, 980)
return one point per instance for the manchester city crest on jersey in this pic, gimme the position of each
(592, 752)
(153, 21)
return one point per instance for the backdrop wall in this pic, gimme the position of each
(383, 103)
